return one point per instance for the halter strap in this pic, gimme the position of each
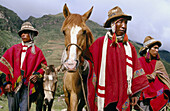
(73, 44)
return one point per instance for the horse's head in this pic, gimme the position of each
(49, 83)
(78, 37)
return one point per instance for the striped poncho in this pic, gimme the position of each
(114, 86)
(11, 70)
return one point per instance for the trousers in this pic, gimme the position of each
(18, 100)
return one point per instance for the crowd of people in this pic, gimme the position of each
(117, 78)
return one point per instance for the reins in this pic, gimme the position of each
(80, 72)
(28, 95)
(84, 94)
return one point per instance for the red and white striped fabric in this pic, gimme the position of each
(129, 72)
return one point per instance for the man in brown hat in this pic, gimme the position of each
(20, 64)
(117, 74)
(156, 96)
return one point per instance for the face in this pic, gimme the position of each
(25, 36)
(154, 50)
(121, 27)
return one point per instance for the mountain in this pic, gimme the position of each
(9, 25)
(50, 38)
(9, 20)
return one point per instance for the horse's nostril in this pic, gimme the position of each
(71, 65)
(46, 101)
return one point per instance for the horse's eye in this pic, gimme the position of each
(64, 32)
(84, 32)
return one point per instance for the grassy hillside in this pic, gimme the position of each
(7, 39)
(50, 38)
(165, 55)
(51, 41)
(9, 20)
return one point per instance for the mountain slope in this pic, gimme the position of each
(9, 20)
(50, 38)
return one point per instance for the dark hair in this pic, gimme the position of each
(142, 52)
(156, 43)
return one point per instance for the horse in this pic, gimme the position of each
(49, 86)
(78, 38)
(38, 96)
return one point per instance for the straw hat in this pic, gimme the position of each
(149, 41)
(27, 26)
(114, 14)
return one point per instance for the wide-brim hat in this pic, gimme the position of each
(114, 14)
(148, 42)
(27, 26)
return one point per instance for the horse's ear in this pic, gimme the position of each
(66, 11)
(87, 14)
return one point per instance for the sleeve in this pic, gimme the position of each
(139, 80)
(91, 86)
(6, 71)
(160, 67)
(41, 60)
(161, 73)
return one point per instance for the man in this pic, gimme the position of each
(20, 64)
(156, 96)
(117, 74)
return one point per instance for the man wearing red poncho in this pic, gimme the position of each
(154, 97)
(20, 64)
(117, 76)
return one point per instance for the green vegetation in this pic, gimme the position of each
(50, 40)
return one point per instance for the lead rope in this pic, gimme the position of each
(139, 107)
(82, 84)
(28, 95)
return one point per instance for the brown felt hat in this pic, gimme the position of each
(149, 41)
(114, 14)
(27, 26)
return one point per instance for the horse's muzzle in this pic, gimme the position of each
(71, 65)
(48, 102)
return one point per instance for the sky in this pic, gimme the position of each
(149, 17)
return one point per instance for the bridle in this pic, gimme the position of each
(49, 90)
(66, 49)
(80, 71)
(75, 45)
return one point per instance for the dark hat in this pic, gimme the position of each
(27, 26)
(148, 42)
(114, 14)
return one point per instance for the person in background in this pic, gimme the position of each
(156, 96)
(21, 67)
(117, 76)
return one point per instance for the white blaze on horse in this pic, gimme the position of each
(78, 38)
(49, 85)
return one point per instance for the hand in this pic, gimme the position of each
(82, 60)
(8, 88)
(150, 77)
(134, 101)
(34, 78)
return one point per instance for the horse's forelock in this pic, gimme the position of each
(76, 19)
(73, 19)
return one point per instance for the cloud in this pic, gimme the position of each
(149, 17)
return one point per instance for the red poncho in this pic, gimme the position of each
(10, 65)
(156, 88)
(116, 79)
